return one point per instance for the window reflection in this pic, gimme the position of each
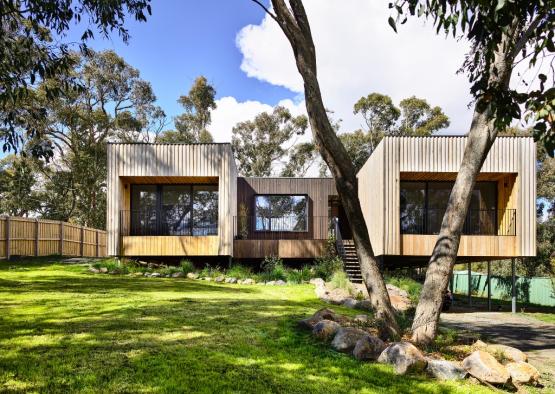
(281, 213)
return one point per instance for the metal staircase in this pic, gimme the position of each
(348, 253)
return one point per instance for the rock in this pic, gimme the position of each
(178, 274)
(103, 270)
(322, 314)
(207, 279)
(93, 270)
(325, 329)
(350, 303)
(391, 289)
(249, 281)
(346, 339)
(192, 275)
(522, 372)
(485, 367)
(317, 282)
(219, 279)
(368, 347)
(147, 274)
(137, 274)
(239, 281)
(337, 296)
(167, 276)
(364, 305)
(155, 275)
(445, 370)
(507, 352)
(404, 356)
(280, 283)
(271, 283)
(361, 319)
(232, 280)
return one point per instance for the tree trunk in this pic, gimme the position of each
(293, 21)
(480, 139)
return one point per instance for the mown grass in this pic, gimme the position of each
(545, 317)
(65, 330)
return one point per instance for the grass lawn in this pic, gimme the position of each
(545, 317)
(65, 330)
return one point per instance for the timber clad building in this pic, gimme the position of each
(188, 200)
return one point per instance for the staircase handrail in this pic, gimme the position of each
(339, 245)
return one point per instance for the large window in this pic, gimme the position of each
(174, 210)
(424, 203)
(281, 212)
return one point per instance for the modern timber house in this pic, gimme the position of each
(188, 200)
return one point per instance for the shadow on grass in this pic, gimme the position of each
(119, 334)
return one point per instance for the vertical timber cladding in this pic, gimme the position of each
(171, 160)
(294, 245)
(515, 155)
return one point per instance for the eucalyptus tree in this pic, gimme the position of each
(293, 21)
(264, 142)
(31, 51)
(501, 34)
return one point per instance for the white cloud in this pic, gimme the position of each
(358, 53)
(229, 112)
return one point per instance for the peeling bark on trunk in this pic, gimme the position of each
(481, 136)
(293, 21)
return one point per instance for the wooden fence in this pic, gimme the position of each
(38, 237)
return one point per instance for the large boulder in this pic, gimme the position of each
(219, 279)
(192, 275)
(322, 314)
(399, 298)
(364, 305)
(249, 281)
(404, 356)
(522, 372)
(317, 282)
(485, 367)
(369, 347)
(178, 274)
(507, 352)
(445, 370)
(346, 339)
(103, 270)
(337, 296)
(325, 329)
(349, 303)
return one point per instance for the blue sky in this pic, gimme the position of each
(185, 39)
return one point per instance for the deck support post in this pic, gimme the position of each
(469, 284)
(489, 285)
(513, 286)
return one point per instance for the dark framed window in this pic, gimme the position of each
(174, 209)
(423, 205)
(278, 212)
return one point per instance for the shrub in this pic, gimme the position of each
(239, 271)
(110, 264)
(186, 266)
(210, 272)
(273, 269)
(299, 276)
(339, 280)
(326, 266)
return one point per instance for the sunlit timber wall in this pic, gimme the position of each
(170, 163)
(511, 160)
(37, 237)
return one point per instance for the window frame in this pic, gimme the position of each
(307, 209)
(426, 208)
(159, 206)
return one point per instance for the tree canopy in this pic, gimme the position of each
(31, 54)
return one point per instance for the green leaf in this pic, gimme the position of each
(391, 22)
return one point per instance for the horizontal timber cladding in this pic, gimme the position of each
(318, 191)
(511, 161)
(171, 163)
(284, 248)
(170, 245)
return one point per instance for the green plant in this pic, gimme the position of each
(325, 266)
(339, 280)
(273, 269)
(243, 221)
(210, 272)
(408, 284)
(301, 275)
(186, 266)
(239, 271)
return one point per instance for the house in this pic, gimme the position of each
(188, 200)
